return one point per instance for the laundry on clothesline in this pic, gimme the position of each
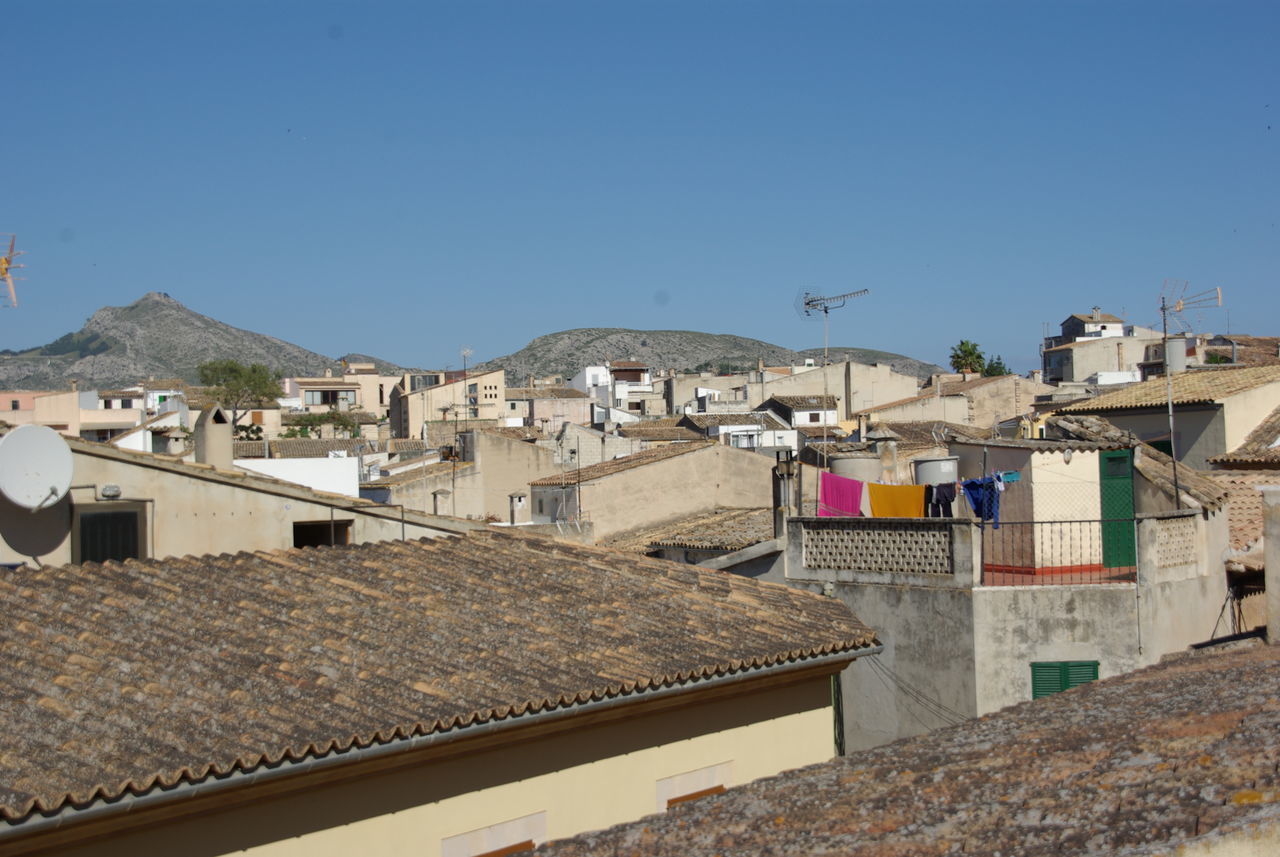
(839, 496)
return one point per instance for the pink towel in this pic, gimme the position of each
(838, 496)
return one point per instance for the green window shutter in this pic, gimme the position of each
(1081, 672)
(1053, 676)
(1046, 678)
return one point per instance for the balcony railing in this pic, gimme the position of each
(964, 553)
(1022, 553)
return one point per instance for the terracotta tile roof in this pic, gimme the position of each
(544, 393)
(125, 677)
(514, 432)
(401, 445)
(1250, 350)
(928, 431)
(805, 403)
(311, 447)
(248, 449)
(754, 418)
(720, 529)
(1104, 317)
(1201, 386)
(1158, 470)
(645, 431)
(822, 431)
(1137, 764)
(1244, 503)
(627, 364)
(1262, 446)
(617, 465)
(1154, 465)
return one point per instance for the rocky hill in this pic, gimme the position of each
(155, 336)
(566, 352)
(900, 363)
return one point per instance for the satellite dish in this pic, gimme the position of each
(35, 466)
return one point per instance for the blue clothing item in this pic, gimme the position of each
(984, 499)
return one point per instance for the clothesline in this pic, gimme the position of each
(842, 496)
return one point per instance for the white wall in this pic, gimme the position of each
(335, 475)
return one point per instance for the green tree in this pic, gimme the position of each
(996, 367)
(967, 357)
(237, 386)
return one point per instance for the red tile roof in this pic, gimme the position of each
(1136, 765)
(618, 465)
(124, 677)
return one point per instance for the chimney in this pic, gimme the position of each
(75, 385)
(1097, 313)
(213, 438)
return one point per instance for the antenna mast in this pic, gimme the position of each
(810, 305)
(1212, 297)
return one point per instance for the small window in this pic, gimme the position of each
(498, 840)
(1055, 676)
(106, 403)
(13, 405)
(692, 785)
(105, 531)
(311, 534)
(126, 403)
(813, 417)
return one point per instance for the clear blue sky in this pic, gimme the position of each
(405, 179)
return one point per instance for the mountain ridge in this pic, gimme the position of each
(565, 352)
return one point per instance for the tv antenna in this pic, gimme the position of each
(808, 305)
(1174, 300)
(7, 265)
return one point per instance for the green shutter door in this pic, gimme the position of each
(1053, 676)
(1115, 484)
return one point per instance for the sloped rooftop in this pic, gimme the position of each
(618, 465)
(1260, 448)
(719, 529)
(1137, 764)
(122, 677)
(1201, 386)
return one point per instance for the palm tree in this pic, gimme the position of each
(967, 357)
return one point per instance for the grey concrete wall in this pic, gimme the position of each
(1021, 624)
(1201, 432)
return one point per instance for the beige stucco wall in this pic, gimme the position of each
(952, 409)
(187, 511)
(716, 476)
(583, 778)
(855, 385)
(1244, 411)
(505, 466)
(425, 405)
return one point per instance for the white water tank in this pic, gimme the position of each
(935, 471)
(864, 466)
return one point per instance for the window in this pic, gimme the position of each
(471, 388)
(692, 785)
(813, 417)
(126, 403)
(497, 840)
(330, 397)
(310, 534)
(103, 531)
(13, 405)
(1054, 676)
(106, 403)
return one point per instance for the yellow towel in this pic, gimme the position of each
(896, 501)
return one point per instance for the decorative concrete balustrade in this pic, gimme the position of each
(949, 553)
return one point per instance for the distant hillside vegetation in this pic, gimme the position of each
(566, 352)
(155, 336)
